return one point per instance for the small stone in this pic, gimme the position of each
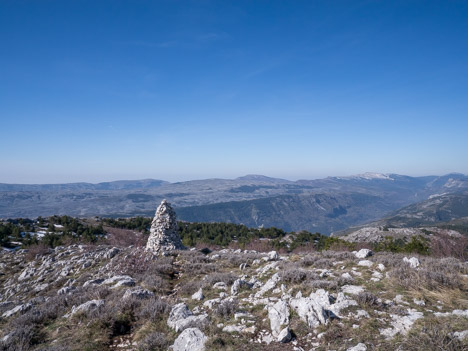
(198, 295)
(358, 347)
(365, 263)
(273, 256)
(284, 335)
(191, 339)
(352, 289)
(111, 252)
(220, 286)
(413, 261)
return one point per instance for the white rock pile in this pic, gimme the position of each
(164, 236)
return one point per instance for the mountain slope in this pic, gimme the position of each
(322, 213)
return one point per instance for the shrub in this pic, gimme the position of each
(434, 274)
(154, 309)
(432, 334)
(448, 246)
(367, 299)
(226, 309)
(297, 276)
(154, 342)
(20, 339)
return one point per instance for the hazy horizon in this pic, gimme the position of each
(99, 91)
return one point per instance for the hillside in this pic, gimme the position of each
(322, 213)
(119, 297)
(446, 211)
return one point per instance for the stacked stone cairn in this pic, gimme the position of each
(164, 236)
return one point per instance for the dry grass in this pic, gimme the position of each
(432, 334)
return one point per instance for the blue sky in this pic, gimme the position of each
(179, 90)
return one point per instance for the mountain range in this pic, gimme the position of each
(320, 205)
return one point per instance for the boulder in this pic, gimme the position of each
(358, 347)
(182, 318)
(279, 317)
(239, 284)
(284, 335)
(86, 307)
(138, 293)
(310, 310)
(365, 263)
(413, 261)
(363, 253)
(119, 280)
(198, 295)
(269, 285)
(111, 252)
(18, 309)
(27, 273)
(319, 307)
(191, 339)
(273, 256)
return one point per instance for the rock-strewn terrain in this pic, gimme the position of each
(97, 297)
(379, 234)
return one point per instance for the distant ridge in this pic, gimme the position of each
(114, 185)
(325, 205)
(262, 178)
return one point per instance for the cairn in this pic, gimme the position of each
(164, 236)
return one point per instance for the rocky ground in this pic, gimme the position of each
(380, 233)
(97, 297)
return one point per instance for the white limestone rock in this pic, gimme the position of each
(27, 273)
(401, 324)
(198, 295)
(279, 317)
(239, 284)
(413, 261)
(363, 253)
(233, 328)
(310, 310)
(284, 335)
(319, 307)
(365, 263)
(111, 253)
(269, 285)
(358, 347)
(18, 309)
(86, 307)
(220, 286)
(182, 318)
(352, 289)
(461, 335)
(191, 339)
(138, 293)
(273, 256)
(119, 280)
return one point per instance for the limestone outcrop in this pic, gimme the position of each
(164, 236)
